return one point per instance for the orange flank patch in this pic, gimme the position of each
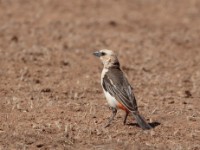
(119, 105)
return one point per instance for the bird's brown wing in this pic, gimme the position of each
(117, 85)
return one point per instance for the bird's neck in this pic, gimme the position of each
(112, 65)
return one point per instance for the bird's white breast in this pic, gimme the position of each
(110, 99)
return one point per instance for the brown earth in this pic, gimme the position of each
(50, 93)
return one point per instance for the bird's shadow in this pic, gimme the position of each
(152, 124)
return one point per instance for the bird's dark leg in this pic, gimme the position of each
(114, 112)
(125, 117)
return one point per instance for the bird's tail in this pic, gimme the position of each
(141, 121)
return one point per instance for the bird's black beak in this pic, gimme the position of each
(97, 54)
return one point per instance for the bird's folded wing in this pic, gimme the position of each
(117, 85)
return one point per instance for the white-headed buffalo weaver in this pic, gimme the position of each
(117, 89)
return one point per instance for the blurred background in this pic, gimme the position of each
(50, 90)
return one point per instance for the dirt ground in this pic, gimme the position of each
(50, 93)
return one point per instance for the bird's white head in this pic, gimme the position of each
(108, 57)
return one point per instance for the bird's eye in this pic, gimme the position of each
(103, 53)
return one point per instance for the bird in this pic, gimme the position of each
(117, 90)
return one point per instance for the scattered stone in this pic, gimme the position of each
(15, 39)
(46, 90)
(77, 108)
(171, 102)
(188, 94)
(65, 46)
(37, 81)
(146, 70)
(130, 133)
(98, 132)
(39, 145)
(191, 118)
(64, 63)
(184, 102)
(112, 23)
